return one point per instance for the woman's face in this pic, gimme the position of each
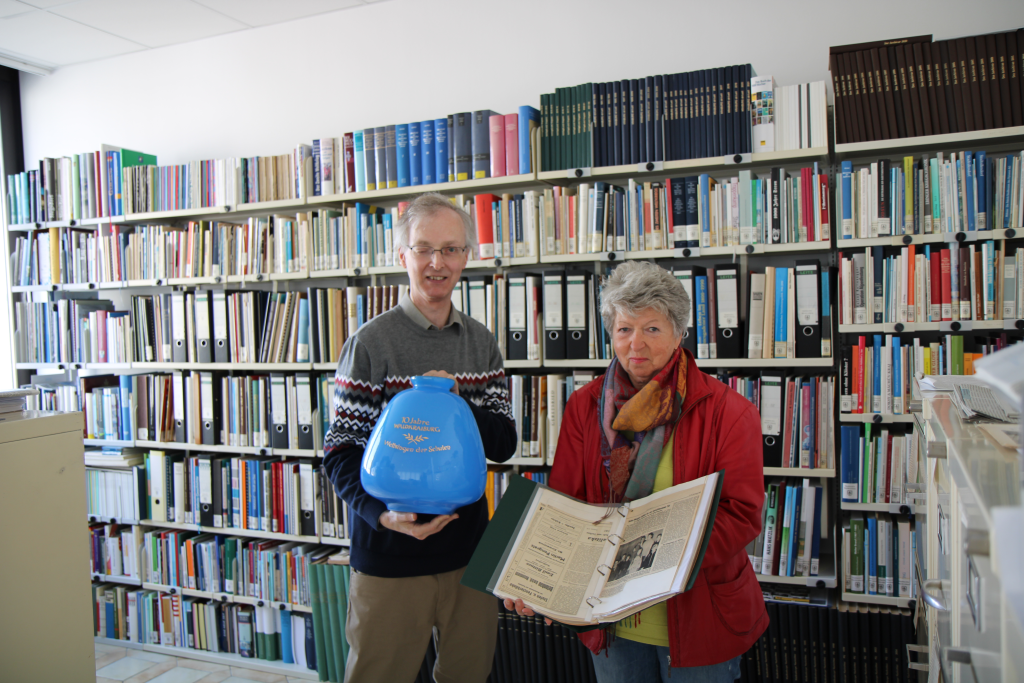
(643, 344)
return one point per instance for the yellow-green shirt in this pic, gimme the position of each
(651, 625)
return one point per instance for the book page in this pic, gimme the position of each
(552, 568)
(658, 546)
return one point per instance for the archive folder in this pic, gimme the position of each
(179, 352)
(771, 420)
(727, 323)
(307, 499)
(205, 490)
(304, 408)
(209, 408)
(808, 309)
(220, 328)
(577, 339)
(278, 411)
(517, 342)
(178, 391)
(554, 315)
(202, 317)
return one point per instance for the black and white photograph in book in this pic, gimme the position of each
(635, 556)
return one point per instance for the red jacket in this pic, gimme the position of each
(723, 614)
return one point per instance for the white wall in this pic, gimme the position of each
(261, 91)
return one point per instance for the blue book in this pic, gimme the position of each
(981, 177)
(794, 527)
(897, 373)
(415, 160)
(990, 281)
(969, 178)
(370, 158)
(815, 539)
(847, 199)
(427, 151)
(1011, 165)
(402, 143)
(357, 144)
(441, 150)
(125, 426)
(360, 308)
(529, 118)
(871, 555)
(701, 284)
(933, 174)
(302, 346)
(705, 209)
(691, 197)
(876, 371)
(286, 638)
(781, 308)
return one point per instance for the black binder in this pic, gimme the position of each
(771, 421)
(204, 350)
(517, 311)
(554, 315)
(178, 332)
(727, 292)
(278, 411)
(808, 309)
(577, 320)
(304, 406)
(219, 329)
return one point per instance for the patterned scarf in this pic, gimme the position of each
(631, 465)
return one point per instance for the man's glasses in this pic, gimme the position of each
(425, 253)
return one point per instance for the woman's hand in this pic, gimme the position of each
(446, 375)
(521, 609)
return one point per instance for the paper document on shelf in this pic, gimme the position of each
(1005, 435)
(1004, 370)
(979, 401)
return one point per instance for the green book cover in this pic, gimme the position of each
(857, 553)
(131, 158)
(956, 353)
(346, 575)
(341, 640)
(316, 602)
(273, 633)
(330, 589)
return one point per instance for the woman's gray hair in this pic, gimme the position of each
(425, 206)
(638, 285)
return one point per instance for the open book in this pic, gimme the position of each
(583, 564)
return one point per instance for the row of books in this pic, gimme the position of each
(788, 117)
(877, 464)
(879, 553)
(932, 283)
(912, 86)
(188, 622)
(796, 417)
(530, 651)
(538, 402)
(114, 492)
(793, 525)
(115, 549)
(498, 481)
(844, 642)
(657, 118)
(966, 192)
(81, 186)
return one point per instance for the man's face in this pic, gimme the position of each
(433, 277)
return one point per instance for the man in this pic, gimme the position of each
(407, 570)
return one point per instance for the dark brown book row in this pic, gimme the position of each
(913, 87)
(845, 644)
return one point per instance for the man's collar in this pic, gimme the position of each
(409, 308)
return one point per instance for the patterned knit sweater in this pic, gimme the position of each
(378, 362)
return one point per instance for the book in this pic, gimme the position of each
(519, 557)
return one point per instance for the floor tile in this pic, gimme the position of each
(202, 665)
(246, 677)
(153, 672)
(109, 658)
(215, 677)
(180, 674)
(107, 649)
(123, 668)
(153, 657)
(260, 676)
(101, 679)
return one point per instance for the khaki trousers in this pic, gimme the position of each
(390, 622)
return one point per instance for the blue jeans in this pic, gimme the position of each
(628, 661)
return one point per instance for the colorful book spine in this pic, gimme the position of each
(360, 161)
(529, 118)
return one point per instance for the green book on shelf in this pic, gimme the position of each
(341, 641)
(857, 553)
(319, 630)
(330, 590)
(956, 353)
(347, 576)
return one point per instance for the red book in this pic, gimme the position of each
(484, 224)
(947, 301)
(787, 423)
(935, 302)
(512, 144)
(350, 163)
(858, 372)
(826, 234)
(911, 282)
(806, 213)
(497, 128)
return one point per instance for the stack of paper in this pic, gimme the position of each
(14, 400)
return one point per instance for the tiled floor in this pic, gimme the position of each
(118, 664)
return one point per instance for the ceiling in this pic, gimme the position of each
(39, 36)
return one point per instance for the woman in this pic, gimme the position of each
(651, 421)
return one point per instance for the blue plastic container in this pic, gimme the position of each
(425, 454)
